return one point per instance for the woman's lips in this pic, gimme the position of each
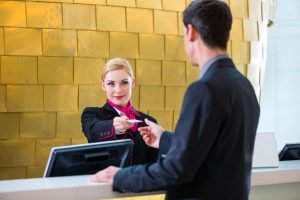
(119, 97)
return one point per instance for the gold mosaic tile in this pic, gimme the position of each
(111, 18)
(88, 70)
(165, 22)
(23, 41)
(148, 72)
(77, 16)
(18, 70)
(155, 4)
(59, 42)
(61, 98)
(12, 13)
(151, 46)
(176, 5)
(37, 124)
(68, 124)
(9, 125)
(134, 22)
(21, 152)
(174, 97)
(24, 98)
(124, 45)
(93, 44)
(45, 15)
(55, 70)
(152, 97)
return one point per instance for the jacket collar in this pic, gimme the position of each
(218, 64)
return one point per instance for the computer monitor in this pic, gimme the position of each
(88, 158)
(290, 152)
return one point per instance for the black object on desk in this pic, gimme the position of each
(290, 152)
(88, 158)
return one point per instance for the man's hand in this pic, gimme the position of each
(151, 133)
(105, 176)
(121, 124)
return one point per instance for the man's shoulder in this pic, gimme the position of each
(197, 85)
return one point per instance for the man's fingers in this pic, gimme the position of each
(105, 175)
(147, 139)
(94, 178)
(148, 122)
(97, 177)
(144, 129)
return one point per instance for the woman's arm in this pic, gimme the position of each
(95, 127)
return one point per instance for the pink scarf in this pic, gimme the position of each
(128, 111)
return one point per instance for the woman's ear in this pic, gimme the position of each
(103, 86)
(133, 83)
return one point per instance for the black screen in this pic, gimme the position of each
(88, 158)
(290, 152)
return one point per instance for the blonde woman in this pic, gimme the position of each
(113, 120)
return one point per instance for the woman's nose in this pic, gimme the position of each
(118, 88)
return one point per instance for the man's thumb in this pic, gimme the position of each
(148, 122)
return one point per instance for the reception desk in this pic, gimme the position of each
(269, 183)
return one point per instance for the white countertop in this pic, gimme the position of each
(287, 172)
(80, 187)
(46, 183)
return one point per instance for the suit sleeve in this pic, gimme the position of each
(165, 143)
(194, 135)
(95, 128)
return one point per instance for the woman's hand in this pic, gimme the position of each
(121, 124)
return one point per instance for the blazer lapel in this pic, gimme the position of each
(109, 112)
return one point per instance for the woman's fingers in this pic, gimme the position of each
(121, 124)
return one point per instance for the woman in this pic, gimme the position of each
(117, 118)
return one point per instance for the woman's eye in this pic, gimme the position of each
(110, 84)
(124, 82)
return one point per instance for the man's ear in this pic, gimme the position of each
(102, 86)
(191, 33)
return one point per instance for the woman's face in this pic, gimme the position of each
(118, 86)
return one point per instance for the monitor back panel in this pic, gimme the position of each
(87, 158)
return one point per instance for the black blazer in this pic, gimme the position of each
(209, 156)
(97, 124)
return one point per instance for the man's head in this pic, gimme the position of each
(211, 19)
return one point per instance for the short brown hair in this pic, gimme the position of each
(212, 19)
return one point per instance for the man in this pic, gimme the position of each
(209, 156)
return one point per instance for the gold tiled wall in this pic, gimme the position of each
(52, 53)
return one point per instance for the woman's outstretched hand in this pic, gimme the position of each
(121, 124)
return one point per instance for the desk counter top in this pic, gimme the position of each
(80, 187)
(287, 172)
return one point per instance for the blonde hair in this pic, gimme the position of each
(116, 64)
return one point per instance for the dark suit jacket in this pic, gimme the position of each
(210, 154)
(97, 125)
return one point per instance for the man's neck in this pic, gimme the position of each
(208, 54)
